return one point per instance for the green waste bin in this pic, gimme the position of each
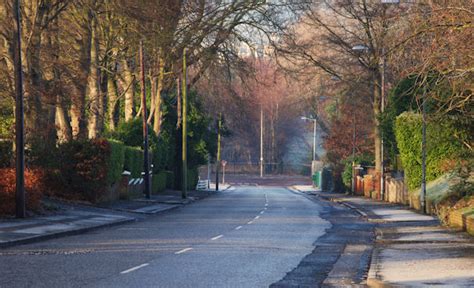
(317, 179)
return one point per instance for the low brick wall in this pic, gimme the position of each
(396, 191)
(470, 224)
(462, 220)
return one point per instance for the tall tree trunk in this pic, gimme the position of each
(113, 102)
(128, 85)
(93, 84)
(376, 110)
(159, 88)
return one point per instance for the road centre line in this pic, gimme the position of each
(217, 237)
(250, 222)
(238, 227)
(256, 217)
(134, 268)
(183, 251)
(261, 212)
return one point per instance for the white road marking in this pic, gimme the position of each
(261, 212)
(217, 237)
(250, 222)
(266, 204)
(256, 217)
(238, 228)
(184, 250)
(134, 268)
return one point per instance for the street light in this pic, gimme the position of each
(19, 120)
(360, 48)
(315, 121)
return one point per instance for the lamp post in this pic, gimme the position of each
(315, 125)
(364, 49)
(19, 120)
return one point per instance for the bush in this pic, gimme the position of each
(441, 146)
(159, 182)
(6, 154)
(169, 179)
(34, 187)
(115, 161)
(193, 177)
(133, 161)
(359, 160)
(87, 169)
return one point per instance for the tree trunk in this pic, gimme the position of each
(376, 110)
(93, 84)
(159, 87)
(128, 85)
(113, 102)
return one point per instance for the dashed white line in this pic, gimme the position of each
(134, 268)
(217, 237)
(238, 227)
(256, 217)
(183, 251)
(250, 222)
(266, 204)
(261, 212)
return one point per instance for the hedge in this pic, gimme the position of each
(115, 161)
(133, 161)
(193, 177)
(86, 169)
(159, 182)
(441, 146)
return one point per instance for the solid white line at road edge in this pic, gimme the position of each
(134, 268)
(217, 237)
(184, 250)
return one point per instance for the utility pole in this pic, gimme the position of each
(314, 139)
(146, 164)
(218, 160)
(353, 152)
(261, 142)
(184, 185)
(382, 109)
(423, 156)
(19, 120)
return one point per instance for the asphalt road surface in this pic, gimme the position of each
(243, 237)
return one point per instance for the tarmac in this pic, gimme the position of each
(68, 218)
(411, 249)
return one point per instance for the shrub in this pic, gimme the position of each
(441, 146)
(115, 161)
(159, 182)
(87, 168)
(169, 179)
(133, 161)
(34, 187)
(364, 160)
(193, 177)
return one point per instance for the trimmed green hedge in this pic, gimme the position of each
(133, 161)
(193, 177)
(115, 161)
(441, 146)
(159, 182)
(86, 169)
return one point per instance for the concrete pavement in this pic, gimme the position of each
(411, 249)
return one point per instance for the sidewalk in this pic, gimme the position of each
(411, 249)
(70, 219)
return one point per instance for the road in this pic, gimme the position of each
(244, 237)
